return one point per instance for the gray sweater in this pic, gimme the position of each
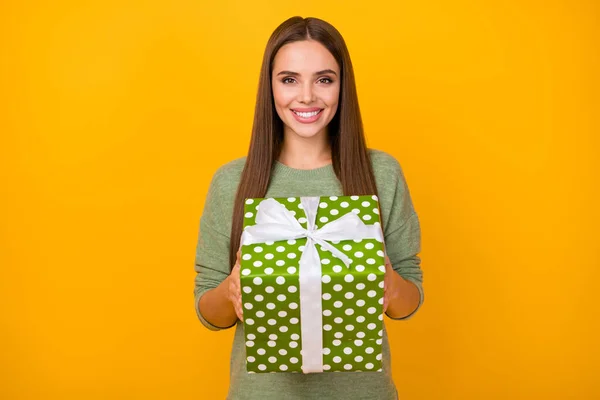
(402, 240)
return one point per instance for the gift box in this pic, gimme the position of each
(312, 271)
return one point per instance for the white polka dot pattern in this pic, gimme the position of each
(352, 311)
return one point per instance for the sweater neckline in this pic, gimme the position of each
(285, 171)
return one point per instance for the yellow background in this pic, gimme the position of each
(114, 116)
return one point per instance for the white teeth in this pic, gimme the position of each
(307, 114)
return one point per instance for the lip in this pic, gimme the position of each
(311, 109)
(307, 120)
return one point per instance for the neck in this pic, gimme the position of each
(305, 153)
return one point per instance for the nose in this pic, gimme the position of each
(306, 93)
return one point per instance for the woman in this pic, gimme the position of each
(307, 140)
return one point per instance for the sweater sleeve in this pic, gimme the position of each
(403, 237)
(212, 250)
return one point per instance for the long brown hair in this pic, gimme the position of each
(349, 153)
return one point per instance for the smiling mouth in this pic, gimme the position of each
(307, 114)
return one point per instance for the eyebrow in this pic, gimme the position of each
(325, 71)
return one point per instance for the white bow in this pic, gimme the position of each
(275, 222)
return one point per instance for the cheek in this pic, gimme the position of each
(331, 98)
(282, 97)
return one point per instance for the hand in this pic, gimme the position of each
(234, 293)
(390, 287)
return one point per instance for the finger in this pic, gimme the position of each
(238, 307)
(232, 289)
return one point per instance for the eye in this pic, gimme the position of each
(285, 80)
(325, 80)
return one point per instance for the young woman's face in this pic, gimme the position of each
(306, 87)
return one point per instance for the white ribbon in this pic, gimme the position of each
(275, 222)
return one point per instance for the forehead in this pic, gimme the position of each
(306, 56)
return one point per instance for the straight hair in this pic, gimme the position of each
(349, 153)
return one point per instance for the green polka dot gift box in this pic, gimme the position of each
(312, 272)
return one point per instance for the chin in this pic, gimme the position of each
(306, 132)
